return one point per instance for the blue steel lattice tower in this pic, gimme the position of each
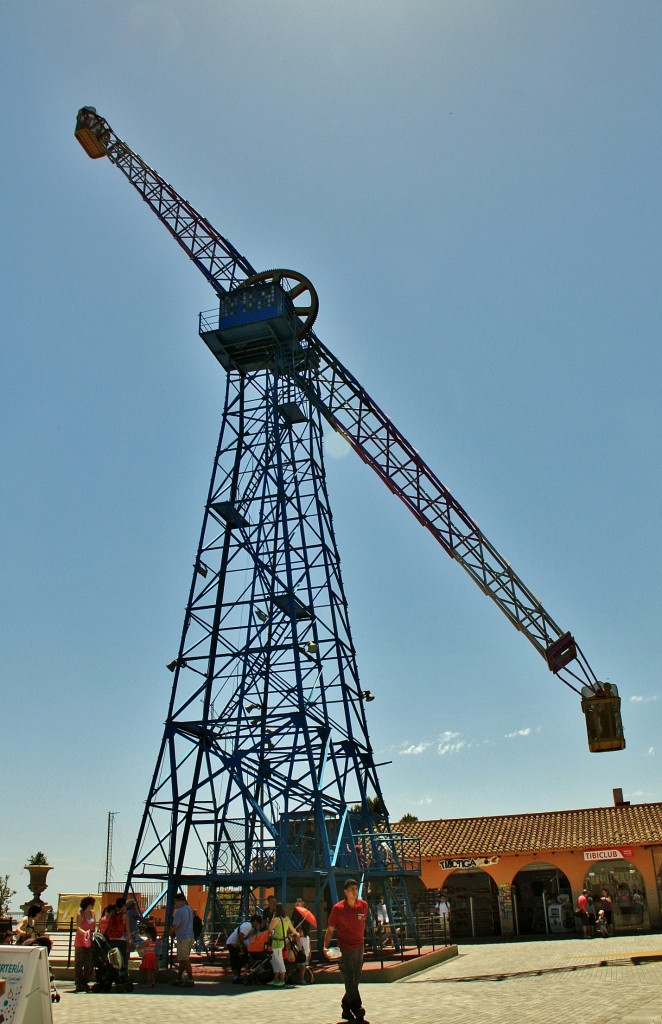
(266, 745)
(266, 742)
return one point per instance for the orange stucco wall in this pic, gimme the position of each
(572, 863)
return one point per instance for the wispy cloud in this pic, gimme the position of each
(642, 700)
(453, 742)
(450, 743)
(415, 748)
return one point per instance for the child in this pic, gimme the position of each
(149, 963)
(601, 925)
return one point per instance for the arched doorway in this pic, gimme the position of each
(625, 886)
(542, 901)
(473, 898)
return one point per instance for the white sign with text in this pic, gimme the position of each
(27, 997)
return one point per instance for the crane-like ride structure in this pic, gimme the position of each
(266, 775)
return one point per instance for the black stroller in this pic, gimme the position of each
(44, 941)
(109, 967)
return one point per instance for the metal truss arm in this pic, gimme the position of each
(350, 410)
(212, 254)
(345, 404)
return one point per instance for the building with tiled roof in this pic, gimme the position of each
(522, 873)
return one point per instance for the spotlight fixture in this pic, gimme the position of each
(366, 695)
(261, 615)
(172, 665)
(201, 569)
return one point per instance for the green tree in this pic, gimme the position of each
(6, 893)
(374, 805)
(37, 858)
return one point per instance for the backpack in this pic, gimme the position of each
(197, 925)
(115, 928)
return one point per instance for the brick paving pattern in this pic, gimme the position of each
(571, 981)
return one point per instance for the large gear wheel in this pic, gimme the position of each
(299, 290)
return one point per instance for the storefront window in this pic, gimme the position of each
(542, 899)
(625, 886)
(657, 862)
(474, 902)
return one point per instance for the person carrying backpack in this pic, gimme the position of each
(117, 930)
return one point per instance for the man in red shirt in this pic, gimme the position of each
(582, 909)
(348, 918)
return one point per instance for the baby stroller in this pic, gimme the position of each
(109, 967)
(44, 941)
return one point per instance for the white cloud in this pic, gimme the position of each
(641, 700)
(519, 732)
(451, 748)
(650, 752)
(450, 743)
(416, 748)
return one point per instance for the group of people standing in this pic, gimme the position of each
(277, 928)
(119, 925)
(595, 914)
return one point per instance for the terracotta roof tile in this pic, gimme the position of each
(595, 827)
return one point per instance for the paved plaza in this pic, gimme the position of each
(596, 981)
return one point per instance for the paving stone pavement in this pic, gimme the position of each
(570, 981)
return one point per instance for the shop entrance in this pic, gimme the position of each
(625, 886)
(542, 901)
(474, 903)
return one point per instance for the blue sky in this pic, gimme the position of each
(473, 188)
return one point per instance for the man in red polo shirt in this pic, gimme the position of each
(348, 918)
(582, 910)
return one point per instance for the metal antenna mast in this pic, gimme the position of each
(108, 870)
